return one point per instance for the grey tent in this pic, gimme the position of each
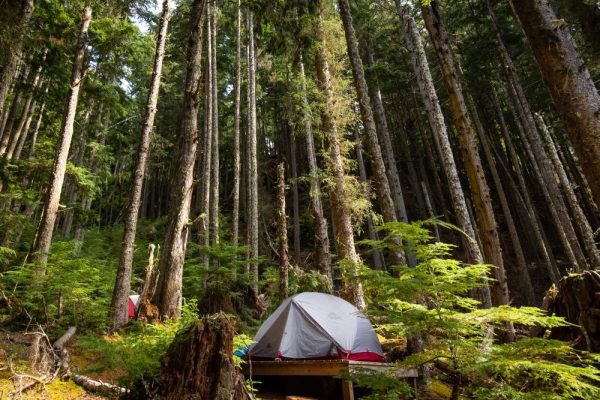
(316, 325)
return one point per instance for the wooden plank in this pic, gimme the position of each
(322, 368)
(296, 368)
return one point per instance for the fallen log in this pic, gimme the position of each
(62, 341)
(99, 387)
(62, 354)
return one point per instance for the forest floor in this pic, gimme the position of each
(16, 371)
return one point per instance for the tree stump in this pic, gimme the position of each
(198, 364)
(147, 312)
(577, 299)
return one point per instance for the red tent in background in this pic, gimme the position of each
(134, 299)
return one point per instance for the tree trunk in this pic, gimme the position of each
(407, 155)
(204, 231)
(386, 144)
(580, 182)
(430, 210)
(282, 234)
(168, 290)
(295, 200)
(342, 217)
(572, 88)
(322, 256)
(521, 264)
(533, 217)
(382, 187)
(440, 135)
(252, 156)
(8, 73)
(486, 221)
(150, 276)
(546, 176)
(235, 219)
(581, 220)
(564, 151)
(542, 166)
(199, 365)
(94, 386)
(13, 114)
(38, 124)
(94, 167)
(146, 311)
(20, 75)
(43, 236)
(214, 186)
(24, 136)
(378, 261)
(120, 296)
(26, 113)
(70, 193)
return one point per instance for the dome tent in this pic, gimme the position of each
(316, 325)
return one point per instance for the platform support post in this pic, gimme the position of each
(347, 390)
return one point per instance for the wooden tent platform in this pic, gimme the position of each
(323, 368)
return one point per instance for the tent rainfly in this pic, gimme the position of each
(132, 305)
(316, 326)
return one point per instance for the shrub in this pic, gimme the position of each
(430, 301)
